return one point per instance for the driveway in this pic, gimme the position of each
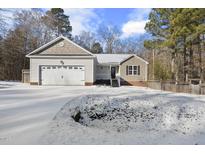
(25, 111)
(27, 114)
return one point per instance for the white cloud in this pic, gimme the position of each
(82, 20)
(139, 14)
(136, 22)
(132, 28)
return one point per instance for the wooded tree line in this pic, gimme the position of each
(27, 30)
(177, 45)
(30, 29)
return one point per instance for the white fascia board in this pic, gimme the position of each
(126, 59)
(68, 57)
(135, 56)
(142, 59)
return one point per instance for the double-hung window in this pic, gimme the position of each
(133, 70)
(129, 70)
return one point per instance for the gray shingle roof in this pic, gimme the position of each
(112, 58)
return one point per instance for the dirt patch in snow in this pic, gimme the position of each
(96, 119)
(106, 116)
(124, 114)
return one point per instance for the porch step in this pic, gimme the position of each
(115, 83)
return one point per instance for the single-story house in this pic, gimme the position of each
(63, 62)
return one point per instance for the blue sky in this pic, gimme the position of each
(130, 21)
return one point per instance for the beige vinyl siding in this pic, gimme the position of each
(35, 64)
(134, 61)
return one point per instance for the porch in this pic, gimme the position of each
(109, 73)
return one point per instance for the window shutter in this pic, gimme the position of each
(138, 70)
(126, 70)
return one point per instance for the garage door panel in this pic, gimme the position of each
(62, 75)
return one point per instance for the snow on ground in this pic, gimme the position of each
(98, 115)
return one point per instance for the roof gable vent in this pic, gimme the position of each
(61, 44)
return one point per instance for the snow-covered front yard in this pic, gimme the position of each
(98, 115)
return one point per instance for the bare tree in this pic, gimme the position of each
(109, 35)
(85, 39)
(3, 23)
(132, 45)
(27, 34)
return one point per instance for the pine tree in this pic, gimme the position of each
(58, 22)
(96, 48)
(179, 30)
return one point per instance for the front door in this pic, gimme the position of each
(113, 72)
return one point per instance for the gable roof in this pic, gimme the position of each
(41, 49)
(136, 57)
(114, 58)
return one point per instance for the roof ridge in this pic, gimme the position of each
(112, 54)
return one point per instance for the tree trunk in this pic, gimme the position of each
(153, 56)
(173, 65)
(185, 62)
(200, 59)
(190, 70)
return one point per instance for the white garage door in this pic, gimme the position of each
(62, 75)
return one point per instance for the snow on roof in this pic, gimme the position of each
(112, 58)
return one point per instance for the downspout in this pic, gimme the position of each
(119, 82)
(110, 77)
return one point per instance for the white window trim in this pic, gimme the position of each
(130, 70)
(133, 70)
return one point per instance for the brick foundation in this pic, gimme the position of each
(88, 83)
(33, 83)
(134, 83)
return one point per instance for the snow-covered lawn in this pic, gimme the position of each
(98, 115)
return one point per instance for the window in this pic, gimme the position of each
(130, 70)
(133, 70)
